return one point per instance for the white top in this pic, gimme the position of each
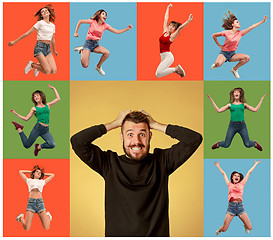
(35, 183)
(45, 30)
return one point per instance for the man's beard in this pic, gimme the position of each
(129, 155)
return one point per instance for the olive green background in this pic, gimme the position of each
(17, 96)
(216, 124)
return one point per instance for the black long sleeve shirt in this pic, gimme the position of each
(136, 192)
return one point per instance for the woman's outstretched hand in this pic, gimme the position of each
(170, 5)
(50, 86)
(11, 43)
(217, 164)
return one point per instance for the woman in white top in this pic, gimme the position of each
(45, 35)
(35, 202)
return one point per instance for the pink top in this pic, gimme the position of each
(232, 40)
(235, 191)
(95, 30)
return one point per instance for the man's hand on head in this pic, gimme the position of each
(153, 124)
(117, 123)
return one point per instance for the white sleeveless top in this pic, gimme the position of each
(35, 183)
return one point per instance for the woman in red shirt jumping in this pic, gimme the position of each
(170, 32)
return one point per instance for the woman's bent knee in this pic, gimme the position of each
(158, 74)
(54, 71)
(85, 65)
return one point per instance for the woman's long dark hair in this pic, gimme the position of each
(241, 176)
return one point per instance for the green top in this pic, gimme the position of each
(42, 114)
(237, 112)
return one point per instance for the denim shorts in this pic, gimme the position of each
(42, 48)
(90, 45)
(35, 205)
(235, 208)
(228, 54)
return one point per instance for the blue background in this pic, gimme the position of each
(121, 64)
(256, 43)
(256, 197)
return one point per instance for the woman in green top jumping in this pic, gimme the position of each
(41, 111)
(237, 123)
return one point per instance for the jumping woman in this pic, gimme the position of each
(232, 37)
(170, 33)
(42, 111)
(35, 202)
(235, 198)
(94, 34)
(237, 106)
(45, 35)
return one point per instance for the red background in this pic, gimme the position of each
(56, 195)
(18, 18)
(187, 48)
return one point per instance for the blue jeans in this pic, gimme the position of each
(233, 128)
(35, 205)
(38, 131)
(235, 208)
(42, 49)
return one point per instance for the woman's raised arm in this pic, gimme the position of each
(250, 171)
(57, 99)
(217, 164)
(219, 110)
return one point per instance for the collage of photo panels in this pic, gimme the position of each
(103, 101)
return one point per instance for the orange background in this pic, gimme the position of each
(187, 48)
(18, 18)
(55, 195)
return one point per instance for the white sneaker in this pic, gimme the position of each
(213, 66)
(36, 72)
(100, 71)
(79, 49)
(246, 230)
(18, 218)
(217, 232)
(235, 73)
(49, 215)
(181, 71)
(28, 67)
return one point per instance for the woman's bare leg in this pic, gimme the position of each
(246, 221)
(27, 221)
(105, 54)
(51, 61)
(227, 221)
(85, 56)
(44, 66)
(242, 58)
(219, 61)
(44, 219)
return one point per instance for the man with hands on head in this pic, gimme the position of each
(136, 183)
